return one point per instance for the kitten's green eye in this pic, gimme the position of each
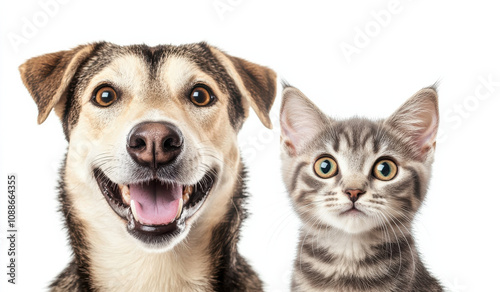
(325, 167)
(385, 170)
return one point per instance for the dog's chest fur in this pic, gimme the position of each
(139, 271)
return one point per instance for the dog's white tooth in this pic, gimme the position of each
(134, 211)
(179, 210)
(125, 192)
(186, 194)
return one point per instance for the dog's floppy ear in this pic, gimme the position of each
(257, 84)
(47, 78)
(260, 84)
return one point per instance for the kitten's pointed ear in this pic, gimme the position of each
(47, 78)
(300, 120)
(417, 120)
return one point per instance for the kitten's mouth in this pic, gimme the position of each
(155, 210)
(353, 211)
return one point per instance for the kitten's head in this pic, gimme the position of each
(355, 174)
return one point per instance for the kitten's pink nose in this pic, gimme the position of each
(354, 194)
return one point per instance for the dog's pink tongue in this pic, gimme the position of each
(156, 203)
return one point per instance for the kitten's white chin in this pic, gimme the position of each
(352, 223)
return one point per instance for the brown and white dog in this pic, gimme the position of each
(152, 188)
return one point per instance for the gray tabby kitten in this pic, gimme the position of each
(356, 185)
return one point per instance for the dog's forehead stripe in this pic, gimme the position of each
(177, 72)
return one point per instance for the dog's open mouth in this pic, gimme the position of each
(155, 209)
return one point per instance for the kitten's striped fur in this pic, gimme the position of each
(370, 248)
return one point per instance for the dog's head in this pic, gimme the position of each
(151, 131)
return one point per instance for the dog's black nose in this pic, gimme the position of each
(153, 144)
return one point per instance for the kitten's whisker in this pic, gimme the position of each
(409, 246)
(397, 241)
(386, 235)
(400, 213)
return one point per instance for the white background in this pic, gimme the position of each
(409, 46)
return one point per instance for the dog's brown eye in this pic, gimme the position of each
(201, 97)
(105, 96)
